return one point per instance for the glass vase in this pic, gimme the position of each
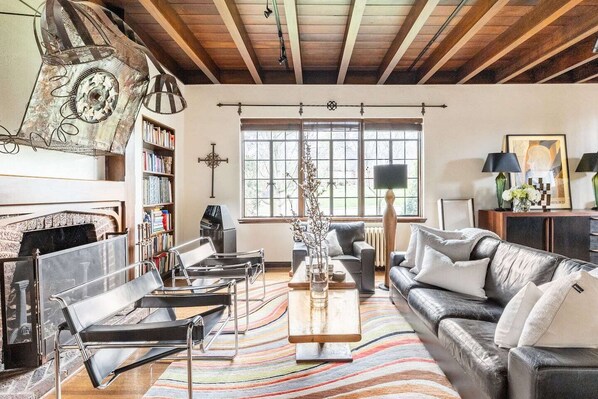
(521, 205)
(318, 281)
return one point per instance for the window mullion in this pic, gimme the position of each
(271, 178)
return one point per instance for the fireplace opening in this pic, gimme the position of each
(57, 239)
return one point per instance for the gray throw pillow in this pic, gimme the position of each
(456, 250)
(410, 255)
(334, 247)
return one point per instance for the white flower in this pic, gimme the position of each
(507, 195)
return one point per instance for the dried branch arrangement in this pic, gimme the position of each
(318, 223)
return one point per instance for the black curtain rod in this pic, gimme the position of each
(332, 106)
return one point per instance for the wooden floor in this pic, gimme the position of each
(135, 383)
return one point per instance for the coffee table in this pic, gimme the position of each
(322, 335)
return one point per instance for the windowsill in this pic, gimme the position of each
(366, 219)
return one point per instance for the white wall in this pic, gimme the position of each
(456, 140)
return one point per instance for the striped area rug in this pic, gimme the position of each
(389, 362)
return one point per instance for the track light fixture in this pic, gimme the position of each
(268, 11)
(596, 46)
(282, 59)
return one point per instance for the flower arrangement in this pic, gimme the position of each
(523, 197)
(318, 223)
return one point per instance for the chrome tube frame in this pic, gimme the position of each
(188, 345)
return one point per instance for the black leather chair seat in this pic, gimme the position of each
(553, 373)
(434, 305)
(163, 331)
(471, 342)
(351, 263)
(402, 278)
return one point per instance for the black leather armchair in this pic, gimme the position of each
(357, 257)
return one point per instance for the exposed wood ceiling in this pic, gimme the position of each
(371, 41)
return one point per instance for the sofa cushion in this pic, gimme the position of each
(485, 248)
(351, 263)
(513, 266)
(568, 266)
(403, 279)
(471, 342)
(434, 305)
(348, 233)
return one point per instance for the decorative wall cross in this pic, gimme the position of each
(213, 160)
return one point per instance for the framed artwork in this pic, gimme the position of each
(543, 157)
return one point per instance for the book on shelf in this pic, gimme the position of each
(158, 220)
(156, 163)
(157, 190)
(157, 135)
(155, 248)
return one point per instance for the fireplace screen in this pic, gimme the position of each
(29, 318)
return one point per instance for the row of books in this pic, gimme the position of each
(156, 163)
(158, 220)
(165, 262)
(157, 190)
(156, 135)
(155, 247)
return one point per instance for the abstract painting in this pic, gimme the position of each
(543, 157)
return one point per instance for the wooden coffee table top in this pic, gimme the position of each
(301, 282)
(338, 322)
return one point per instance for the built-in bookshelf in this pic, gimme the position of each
(156, 234)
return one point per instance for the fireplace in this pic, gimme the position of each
(42, 254)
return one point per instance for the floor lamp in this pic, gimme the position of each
(389, 177)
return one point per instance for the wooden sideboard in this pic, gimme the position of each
(570, 233)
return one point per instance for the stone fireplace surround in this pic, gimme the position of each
(31, 203)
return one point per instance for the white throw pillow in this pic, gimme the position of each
(334, 247)
(455, 249)
(565, 316)
(412, 247)
(465, 277)
(510, 325)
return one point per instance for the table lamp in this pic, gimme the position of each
(589, 163)
(501, 162)
(389, 177)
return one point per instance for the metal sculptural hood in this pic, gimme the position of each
(88, 106)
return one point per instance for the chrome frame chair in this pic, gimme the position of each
(105, 348)
(198, 263)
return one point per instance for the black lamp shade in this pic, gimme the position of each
(501, 162)
(390, 176)
(588, 162)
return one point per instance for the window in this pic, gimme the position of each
(345, 152)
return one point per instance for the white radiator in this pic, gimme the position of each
(375, 237)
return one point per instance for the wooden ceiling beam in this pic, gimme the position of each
(232, 19)
(554, 44)
(416, 19)
(353, 24)
(170, 21)
(162, 56)
(585, 73)
(290, 11)
(466, 28)
(542, 15)
(566, 61)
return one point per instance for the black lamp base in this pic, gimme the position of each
(500, 209)
(595, 208)
(383, 287)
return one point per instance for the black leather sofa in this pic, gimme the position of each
(357, 257)
(463, 327)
